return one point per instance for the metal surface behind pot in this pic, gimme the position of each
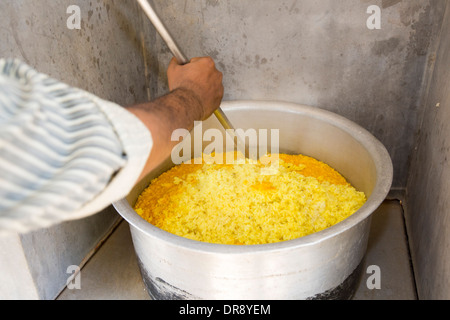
(322, 265)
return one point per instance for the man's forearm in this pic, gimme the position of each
(176, 110)
(196, 91)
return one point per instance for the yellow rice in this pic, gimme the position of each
(237, 205)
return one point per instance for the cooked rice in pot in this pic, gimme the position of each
(238, 205)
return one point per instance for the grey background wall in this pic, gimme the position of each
(105, 56)
(318, 53)
(428, 190)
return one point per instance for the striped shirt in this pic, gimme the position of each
(64, 153)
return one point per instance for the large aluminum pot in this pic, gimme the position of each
(324, 265)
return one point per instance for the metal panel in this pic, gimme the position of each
(428, 201)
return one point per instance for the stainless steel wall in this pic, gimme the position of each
(105, 56)
(428, 191)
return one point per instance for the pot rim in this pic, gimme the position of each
(379, 154)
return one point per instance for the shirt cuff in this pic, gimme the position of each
(137, 144)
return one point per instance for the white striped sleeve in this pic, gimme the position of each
(64, 153)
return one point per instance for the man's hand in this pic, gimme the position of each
(201, 79)
(196, 92)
